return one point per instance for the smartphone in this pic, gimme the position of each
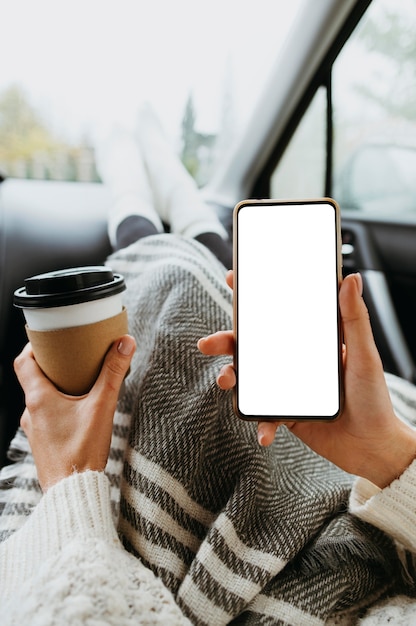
(287, 274)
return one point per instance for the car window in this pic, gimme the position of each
(71, 69)
(301, 171)
(374, 91)
(374, 121)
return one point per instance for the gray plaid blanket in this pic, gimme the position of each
(239, 533)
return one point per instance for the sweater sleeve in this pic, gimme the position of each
(66, 565)
(392, 509)
(77, 507)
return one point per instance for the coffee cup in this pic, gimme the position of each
(72, 318)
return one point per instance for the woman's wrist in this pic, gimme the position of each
(386, 464)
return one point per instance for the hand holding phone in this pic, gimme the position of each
(287, 272)
(368, 440)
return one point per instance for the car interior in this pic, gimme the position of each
(296, 126)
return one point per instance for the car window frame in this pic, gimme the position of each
(321, 78)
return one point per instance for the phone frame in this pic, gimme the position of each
(338, 277)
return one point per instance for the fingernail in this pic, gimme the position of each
(260, 435)
(126, 346)
(359, 283)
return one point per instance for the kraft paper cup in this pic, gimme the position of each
(72, 318)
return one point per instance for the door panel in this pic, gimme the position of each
(384, 253)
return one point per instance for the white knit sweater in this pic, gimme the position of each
(66, 565)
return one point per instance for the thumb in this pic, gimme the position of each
(115, 366)
(358, 335)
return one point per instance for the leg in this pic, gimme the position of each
(177, 198)
(131, 229)
(221, 248)
(150, 186)
(132, 214)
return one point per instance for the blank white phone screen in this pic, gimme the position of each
(288, 345)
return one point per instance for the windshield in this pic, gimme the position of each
(75, 68)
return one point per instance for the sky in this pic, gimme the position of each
(87, 64)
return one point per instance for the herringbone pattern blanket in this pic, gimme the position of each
(239, 533)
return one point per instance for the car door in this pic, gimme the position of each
(353, 137)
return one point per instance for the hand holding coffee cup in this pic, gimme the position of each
(72, 318)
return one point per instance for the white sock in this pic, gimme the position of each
(177, 198)
(121, 168)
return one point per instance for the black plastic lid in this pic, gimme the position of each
(69, 286)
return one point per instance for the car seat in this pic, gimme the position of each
(44, 226)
